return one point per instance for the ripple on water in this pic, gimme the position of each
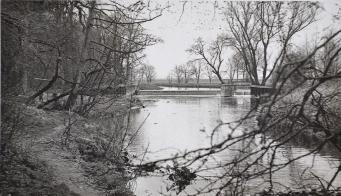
(176, 124)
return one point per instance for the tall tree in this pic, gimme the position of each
(178, 73)
(149, 72)
(208, 73)
(186, 72)
(196, 70)
(74, 48)
(262, 31)
(212, 55)
(170, 78)
(238, 65)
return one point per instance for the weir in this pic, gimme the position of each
(225, 90)
(179, 92)
(228, 90)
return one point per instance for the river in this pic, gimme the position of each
(178, 123)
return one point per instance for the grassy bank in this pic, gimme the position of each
(312, 120)
(60, 153)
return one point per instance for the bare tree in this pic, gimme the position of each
(325, 57)
(256, 28)
(231, 71)
(178, 73)
(291, 113)
(170, 78)
(212, 55)
(186, 72)
(208, 73)
(80, 48)
(196, 70)
(149, 72)
(239, 65)
(140, 74)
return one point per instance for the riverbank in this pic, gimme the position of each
(60, 153)
(318, 112)
(312, 121)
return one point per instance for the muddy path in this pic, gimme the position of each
(44, 130)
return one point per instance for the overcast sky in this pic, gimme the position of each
(203, 18)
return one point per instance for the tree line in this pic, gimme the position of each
(197, 69)
(256, 43)
(305, 104)
(78, 49)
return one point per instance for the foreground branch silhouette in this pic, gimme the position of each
(305, 104)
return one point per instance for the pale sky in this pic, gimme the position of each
(203, 18)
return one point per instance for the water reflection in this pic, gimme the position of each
(185, 123)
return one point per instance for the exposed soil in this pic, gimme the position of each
(42, 140)
(61, 167)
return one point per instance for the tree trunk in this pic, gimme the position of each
(49, 85)
(219, 77)
(73, 93)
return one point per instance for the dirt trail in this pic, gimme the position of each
(43, 141)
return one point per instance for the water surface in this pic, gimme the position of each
(183, 123)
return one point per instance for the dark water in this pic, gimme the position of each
(185, 123)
